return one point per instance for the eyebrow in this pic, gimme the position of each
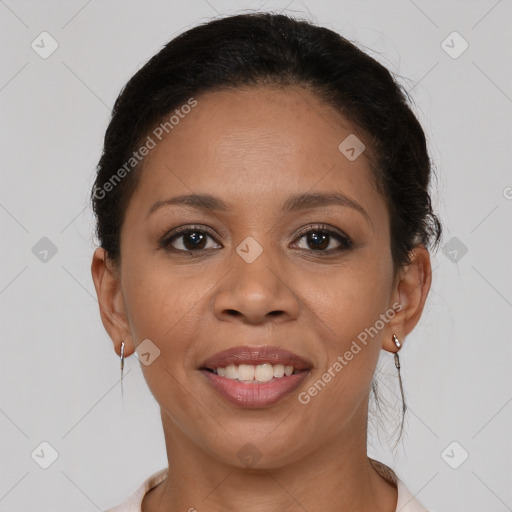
(292, 204)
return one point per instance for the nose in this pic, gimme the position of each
(256, 293)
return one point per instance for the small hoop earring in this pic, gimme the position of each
(397, 364)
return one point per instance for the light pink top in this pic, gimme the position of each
(406, 501)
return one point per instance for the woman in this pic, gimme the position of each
(264, 221)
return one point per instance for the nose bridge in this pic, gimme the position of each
(254, 289)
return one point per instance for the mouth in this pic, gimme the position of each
(255, 377)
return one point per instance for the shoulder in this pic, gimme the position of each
(134, 501)
(406, 502)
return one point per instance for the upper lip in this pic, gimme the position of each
(255, 355)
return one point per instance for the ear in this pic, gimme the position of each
(410, 289)
(106, 277)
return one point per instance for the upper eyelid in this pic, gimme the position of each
(209, 230)
(321, 227)
(190, 227)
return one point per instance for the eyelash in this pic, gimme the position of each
(345, 242)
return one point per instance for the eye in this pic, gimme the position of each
(319, 238)
(188, 239)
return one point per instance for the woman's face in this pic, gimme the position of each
(247, 275)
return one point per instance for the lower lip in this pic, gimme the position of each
(256, 395)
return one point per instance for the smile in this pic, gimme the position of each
(255, 377)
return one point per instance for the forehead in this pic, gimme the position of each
(250, 144)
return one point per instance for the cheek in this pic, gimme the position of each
(347, 315)
(351, 297)
(158, 296)
(163, 308)
(349, 306)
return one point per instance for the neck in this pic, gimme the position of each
(337, 477)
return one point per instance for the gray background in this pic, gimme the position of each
(59, 375)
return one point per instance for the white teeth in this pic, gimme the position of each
(264, 372)
(278, 370)
(232, 371)
(255, 373)
(245, 372)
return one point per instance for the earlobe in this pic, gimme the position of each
(106, 280)
(411, 291)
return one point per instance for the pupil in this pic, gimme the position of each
(199, 238)
(323, 239)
